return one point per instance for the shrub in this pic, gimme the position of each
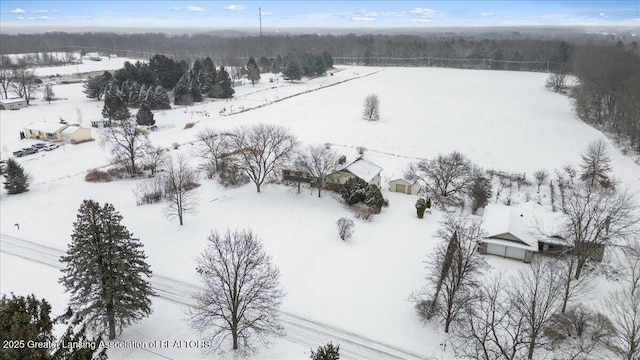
(230, 174)
(150, 191)
(421, 206)
(345, 228)
(119, 173)
(96, 175)
(354, 191)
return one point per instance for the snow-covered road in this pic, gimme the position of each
(299, 329)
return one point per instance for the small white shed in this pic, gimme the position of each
(403, 186)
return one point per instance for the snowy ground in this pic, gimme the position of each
(354, 293)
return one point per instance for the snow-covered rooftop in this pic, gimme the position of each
(11, 101)
(363, 169)
(529, 222)
(70, 129)
(45, 127)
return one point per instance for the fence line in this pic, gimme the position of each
(432, 61)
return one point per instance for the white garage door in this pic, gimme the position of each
(515, 253)
(494, 249)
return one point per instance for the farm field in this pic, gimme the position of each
(355, 292)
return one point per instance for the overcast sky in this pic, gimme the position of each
(282, 14)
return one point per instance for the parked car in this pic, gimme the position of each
(25, 151)
(38, 146)
(50, 147)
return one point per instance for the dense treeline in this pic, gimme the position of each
(235, 51)
(607, 94)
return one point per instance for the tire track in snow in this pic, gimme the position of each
(299, 329)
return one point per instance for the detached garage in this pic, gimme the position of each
(403, 186)
(509, 233)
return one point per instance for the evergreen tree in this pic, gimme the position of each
(114, 106)
(208, 77)
(162, 99)
(354, 190)
(28, 319)
(124, 91)
(253, 72)
(182, 91)
(24, 319)
(292, 72)
(96, 86)
(134, 94)
(105, 271)
(223, 84)
(276, 67)
(144, 116)
(319, 66)
(373, 198)
(166, 70)
(48, 94)
(326, 352)
(16, 181)
(150, 99)
(196, 94)
(328, 60)
(142, 94)
(264, 63)
(77, 334)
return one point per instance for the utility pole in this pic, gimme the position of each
(260, 17)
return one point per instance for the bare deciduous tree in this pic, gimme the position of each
(557, 81)
(153, 158)
(150, 191)
(126, 143)
(6, 73)
(444, 175)
(262, 150)
(242, 294)
(345, 228)
(319, 161)
(623, 307)
(580, 334)
(371, 110)
(213, 147)
(596, 217)
(541, 177)
(454, 270)
(596, 163)
(23, 82)
(490, 328)
(179, 181)
(536, 291)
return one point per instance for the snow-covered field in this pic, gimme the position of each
(355, 292)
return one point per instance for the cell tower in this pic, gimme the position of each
(260, 17)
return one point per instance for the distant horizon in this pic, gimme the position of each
(285, 16)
